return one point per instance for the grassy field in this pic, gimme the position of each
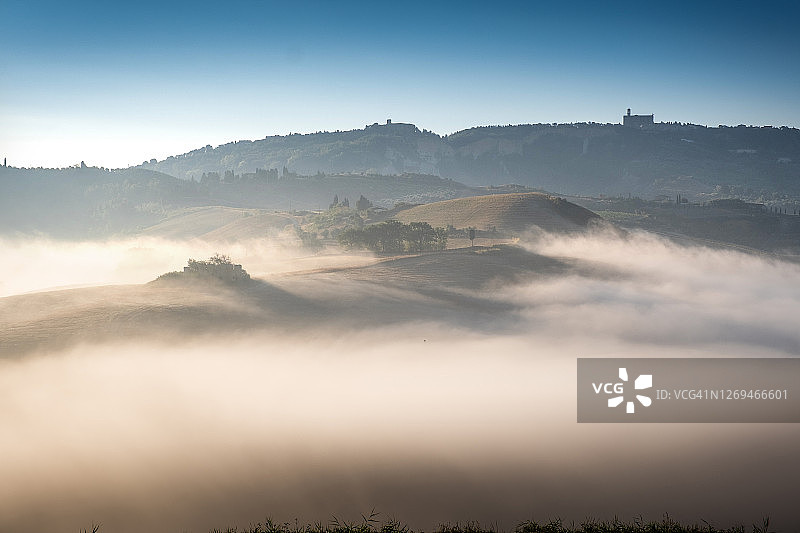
(220, 224)
(750, 225)
(505, 212)
(425, 286)
(370, 524)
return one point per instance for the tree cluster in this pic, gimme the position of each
(337, 203)
(218, 266)
(393, 236)
(362, 204)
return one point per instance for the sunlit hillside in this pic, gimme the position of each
(504, 212)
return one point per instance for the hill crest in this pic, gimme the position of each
(513, 213)
(580, 158)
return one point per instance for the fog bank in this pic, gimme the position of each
(31, 265)
(428, 421)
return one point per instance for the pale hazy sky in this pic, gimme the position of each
(116, 83)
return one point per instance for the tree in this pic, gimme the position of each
(440, 239)
(392, 234)
(219, 259)
(363, 204)
(309, 240)
(335, 202)
(211, 177)
(352, 238)
(420, 236)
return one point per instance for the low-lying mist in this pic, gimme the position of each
(665, 294)
(428, 421)
(40, 264)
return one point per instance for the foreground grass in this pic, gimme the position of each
(370, 524)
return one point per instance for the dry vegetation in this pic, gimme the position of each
(371, 525)
(433, 286)
(505, 212)
(220, 223)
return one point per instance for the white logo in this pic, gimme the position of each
(644, 381)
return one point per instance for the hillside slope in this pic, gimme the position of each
(90, 202)
(592, 159)
(219, 223)
(505, 212)
(86, 201)
(448, 287)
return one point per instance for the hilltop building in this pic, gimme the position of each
(395, 127)
(637, 121)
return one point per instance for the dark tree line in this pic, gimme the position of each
(361, 205)
(393, 236)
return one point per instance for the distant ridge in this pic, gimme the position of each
(94, 202)
(581, 158)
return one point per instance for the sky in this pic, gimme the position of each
(117, 83)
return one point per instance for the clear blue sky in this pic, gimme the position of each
(115, 83)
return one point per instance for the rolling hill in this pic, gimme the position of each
(450, 287)
(218, 223)
(504, 212)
